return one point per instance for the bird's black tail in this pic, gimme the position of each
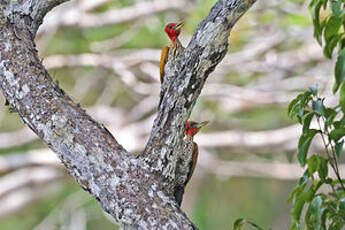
(179, 191)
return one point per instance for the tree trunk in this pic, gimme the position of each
(136, 191)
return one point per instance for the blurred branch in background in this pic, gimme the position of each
(77, 14)
(133, 136)
(70, 214)
(24, 186)
(42, 157)
(273, 170)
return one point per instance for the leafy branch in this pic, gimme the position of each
(323, 209)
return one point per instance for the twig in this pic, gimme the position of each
(332, 158)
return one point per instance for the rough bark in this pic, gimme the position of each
(136, 191)
(185, 80)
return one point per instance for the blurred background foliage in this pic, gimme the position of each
(105, 55)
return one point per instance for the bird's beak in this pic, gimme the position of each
(179, 25)
(202, 124)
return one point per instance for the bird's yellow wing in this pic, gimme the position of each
(163, 61)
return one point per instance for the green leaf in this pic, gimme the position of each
(313, 90)
(300, 113)
(304, 143)
(297, 190)
(339, 148)
(297, 209)
(315, 206)
(313, 164)
(340, 123)
(342, 13)
(314, 188)
(323, 218)
(341, 206)
(301, 198)
(336, 225)
(336, 134)
(319, 164)
(307, 218)
(318, 107)
(296, 107)
(330, 114)
(339, 70)
(331, 44)
(292, 104)
(295, 225)
(323, 168)
(304, 179)
(342, 97)
(306, 122)
(335, 6)
(332, 27)
(315, 222)
(315, 13)
(316, 213)
(238, 224)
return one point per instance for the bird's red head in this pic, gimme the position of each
(193, 127)
(173, 30)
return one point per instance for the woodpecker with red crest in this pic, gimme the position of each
(173, 30)
(188, 159)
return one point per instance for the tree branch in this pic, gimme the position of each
(183, 85)
(133, 192)
(35, 9)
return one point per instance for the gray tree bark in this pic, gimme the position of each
(136, 191)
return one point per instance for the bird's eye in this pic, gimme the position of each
(187, 129)
(170, 26)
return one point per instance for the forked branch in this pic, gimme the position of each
(135, 191)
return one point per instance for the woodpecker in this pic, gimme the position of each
(188, 159)
(173, 30)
